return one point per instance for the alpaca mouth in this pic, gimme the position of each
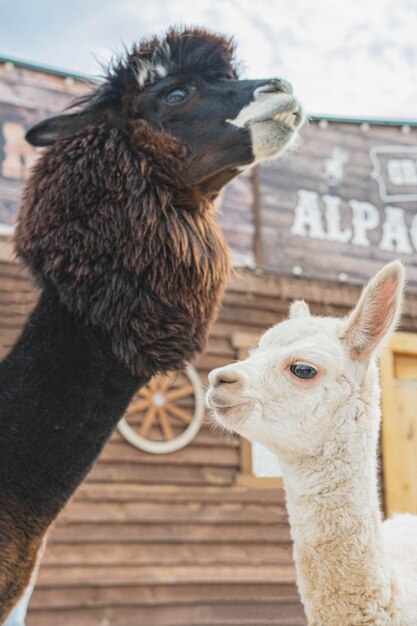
(230, 416)
(226, 409)
(227, 414)
(269, 107)
(284, 110)
(293, 118)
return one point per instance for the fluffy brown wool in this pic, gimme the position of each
(19, 554)
(101, 222)
(109, 220)
(118, 229)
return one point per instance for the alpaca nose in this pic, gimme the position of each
(280, 85)
(223, 376)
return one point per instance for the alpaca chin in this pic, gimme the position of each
(271, 138)
(273, 120)
(230, 417)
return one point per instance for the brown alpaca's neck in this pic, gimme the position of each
(62, 392)
(122, 251)
(343, 574)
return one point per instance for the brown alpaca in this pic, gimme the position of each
(117, 227)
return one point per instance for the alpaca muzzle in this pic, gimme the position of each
(272, 102)
(272, 119)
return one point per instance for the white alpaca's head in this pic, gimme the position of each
(306, 384)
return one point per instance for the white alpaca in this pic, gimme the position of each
(310, 393)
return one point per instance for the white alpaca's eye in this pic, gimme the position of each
(303, 371)
(176, 96)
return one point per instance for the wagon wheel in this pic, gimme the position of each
(166, 414)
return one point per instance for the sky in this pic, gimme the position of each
(344, 57)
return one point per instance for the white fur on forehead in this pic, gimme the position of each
(299, 309)
(148, 71)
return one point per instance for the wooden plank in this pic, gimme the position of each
(219, 346)
(244, 341)
(260, 482)
(241, 614)
(148, 575)
(223, 456)
(249, 316)
(406, 422)
(114, 554)
(110, 492)
(160, 595)
(405, 367)
(208, 362)
(6, 250)
(256, 213)
(245, 458)
(399, 423)
(405, 343)
(256, 302)
(155, 512)
(165, 474)
(166, 532)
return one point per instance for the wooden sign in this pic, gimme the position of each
(343, 204)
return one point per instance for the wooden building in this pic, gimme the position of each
(199, 536)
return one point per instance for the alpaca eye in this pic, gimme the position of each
(303, 371)
(176, 96)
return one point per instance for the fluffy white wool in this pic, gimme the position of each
(352, 569)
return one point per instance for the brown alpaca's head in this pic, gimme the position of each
(182, 93)
(115, 215)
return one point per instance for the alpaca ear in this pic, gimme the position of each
(299, 308)
(48, 131)
(377, 313)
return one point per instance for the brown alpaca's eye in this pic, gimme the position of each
(303, 371)
(176, 96)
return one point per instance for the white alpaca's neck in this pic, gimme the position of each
(343, 575)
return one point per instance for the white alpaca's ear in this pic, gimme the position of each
(299, 308)
(377, 313)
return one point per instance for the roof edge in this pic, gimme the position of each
(46, 69)
(372, 121)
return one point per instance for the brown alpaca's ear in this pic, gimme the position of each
(377, 313)
(298, 309)
(48, 131)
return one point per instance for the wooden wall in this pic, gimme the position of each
(26, 96)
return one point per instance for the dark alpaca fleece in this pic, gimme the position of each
(109, 220)
(132, 266)
(62, 392)
(125, 248)
(117, 227)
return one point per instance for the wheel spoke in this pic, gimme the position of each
(147, 422)
(178, 412)
(144, 392)
(181, 392)
(165, 425)
(138, 405)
